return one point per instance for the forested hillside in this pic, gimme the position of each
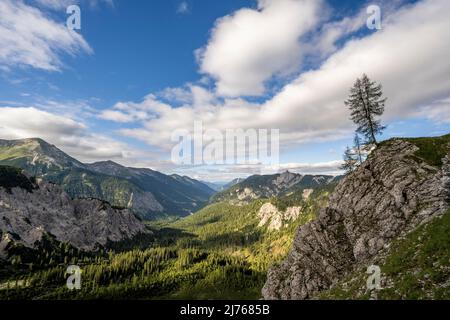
(276, 185)
(221, 252)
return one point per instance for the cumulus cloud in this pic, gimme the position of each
(412, 66)
(30, 38)
(438, 111)
(69, 135)
(117, 116)
(409, 56)
(55, 4)
(227, 173)
(327, 168)
(251, 46)
(160, 119)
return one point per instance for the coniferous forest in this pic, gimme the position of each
(218, 253)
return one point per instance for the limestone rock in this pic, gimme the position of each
(276, 219)
(84, 223)
(389, 195)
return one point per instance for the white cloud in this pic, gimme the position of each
(131, 112)
(324, 41)
(67, 134)
(251, 46)
(56, 4)
(117, 116)
(228, 173)
(329, 168)
(412, 65)
(183, 7)
(438, 111)
(28, 37)
(74, 138)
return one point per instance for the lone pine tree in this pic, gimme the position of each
(366, 104)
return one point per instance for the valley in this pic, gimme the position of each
(220, 252)
(235, 246)
(224, 159)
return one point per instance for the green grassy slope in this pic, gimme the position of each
(416, 267)
(431, 149)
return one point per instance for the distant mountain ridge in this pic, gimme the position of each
(232, 183)
(220, 186)
(149, 193)
(276, 185)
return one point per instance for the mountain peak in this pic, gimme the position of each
(109, 167)
(109, 163)
(288, 174)
(36, 154)
(147, 192)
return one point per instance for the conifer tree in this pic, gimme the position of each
(366, 105)
(358, 148)
(350, 160)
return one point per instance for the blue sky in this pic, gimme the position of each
(138, 70)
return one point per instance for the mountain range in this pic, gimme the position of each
(283, 236)
(149, 193)
(276, 185)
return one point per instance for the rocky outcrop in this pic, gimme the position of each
(287, 180)
(275, 219)
(140, 201)
(307, 193)
(246, 194)
(25, 216)
(391, 194)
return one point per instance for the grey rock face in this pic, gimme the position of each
(140, 201)
(389, 195)
(286, 180)
(84, 223)
(276, 219)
